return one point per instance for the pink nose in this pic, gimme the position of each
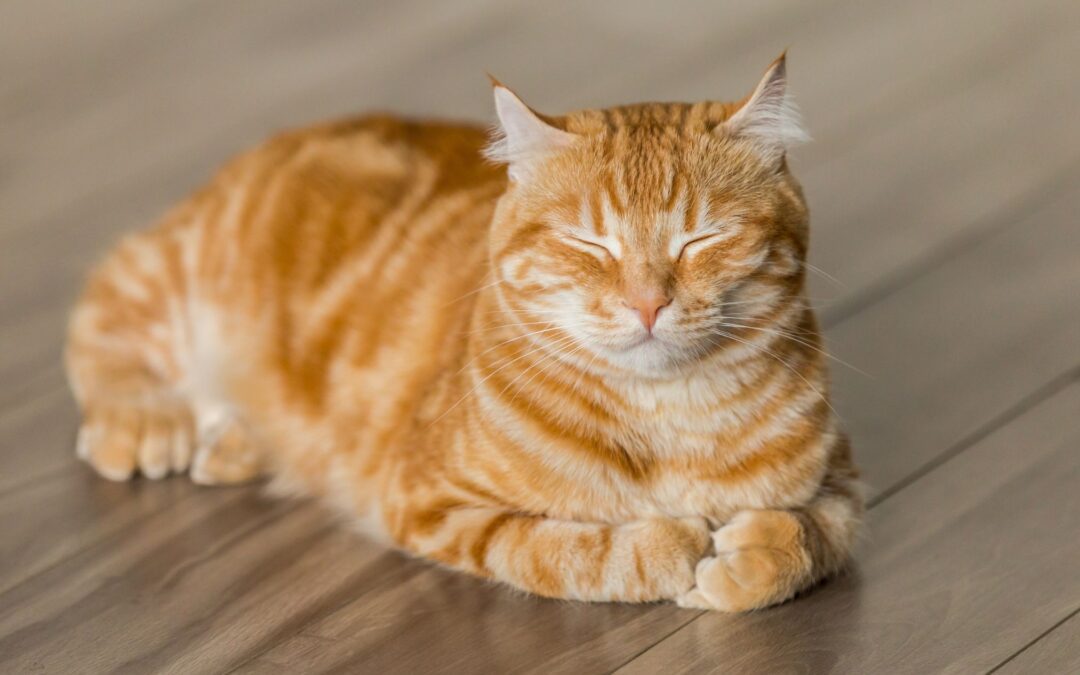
(648, 306)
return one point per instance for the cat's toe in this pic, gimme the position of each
(227, 457)
(181, 448)
(693, 599)
(109, 442)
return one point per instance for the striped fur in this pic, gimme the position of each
(369, 312)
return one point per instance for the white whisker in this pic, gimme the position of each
(824, 274)
(493, 373)
(550, 361)
(794, 338)
(782, 362)
(473, 292)
(508, 341)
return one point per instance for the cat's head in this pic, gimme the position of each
(641, 231)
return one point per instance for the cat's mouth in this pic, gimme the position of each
(649, 345)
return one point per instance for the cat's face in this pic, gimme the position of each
(641, 236)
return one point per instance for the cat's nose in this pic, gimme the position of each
(647, 305)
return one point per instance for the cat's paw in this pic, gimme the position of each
(226, 455)
(760, 560)
(118, 440)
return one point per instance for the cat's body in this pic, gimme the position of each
(355, 311)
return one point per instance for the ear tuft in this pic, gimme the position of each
(521, 136)
(769, 116)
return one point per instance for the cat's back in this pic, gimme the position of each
(330, 188)
(347, 245)
(374, 203)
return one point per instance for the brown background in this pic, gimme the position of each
(944, 188)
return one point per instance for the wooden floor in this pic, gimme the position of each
(944, 183)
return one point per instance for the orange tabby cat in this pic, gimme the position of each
(590, 374)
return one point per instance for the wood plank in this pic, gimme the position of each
(961, 344)
(70, 517)
(148, 571)
(1056, 652)
(32, 440)
(963, 568)
(921, 183)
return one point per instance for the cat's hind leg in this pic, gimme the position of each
(123, 362)
(130, 356)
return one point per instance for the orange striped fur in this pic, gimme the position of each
(591, 375)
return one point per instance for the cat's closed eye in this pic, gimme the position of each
(591, 246)
(699, 243)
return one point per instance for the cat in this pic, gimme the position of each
(576, 358)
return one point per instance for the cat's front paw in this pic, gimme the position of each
(760, 561)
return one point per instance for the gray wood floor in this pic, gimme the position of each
(944, 184)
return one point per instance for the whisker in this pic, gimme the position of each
(492, 374)
(794, 338)
(508, 341)
(519, 325)
(473, 292)
(784, 363)
(824, 274)
(551, 360)
(586, 369)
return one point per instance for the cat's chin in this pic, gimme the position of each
(650, 357)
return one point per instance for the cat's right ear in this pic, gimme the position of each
(523, 136)
(769, 116)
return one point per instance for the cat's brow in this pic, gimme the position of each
(592, 214)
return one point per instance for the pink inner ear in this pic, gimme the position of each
(770, 116)
(522, 136)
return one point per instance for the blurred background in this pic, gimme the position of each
(943, 186)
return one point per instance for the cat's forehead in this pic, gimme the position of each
(642, 119)
(649, 172)
(605, 213)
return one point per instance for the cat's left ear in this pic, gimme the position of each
(769, 116)
(523, 135)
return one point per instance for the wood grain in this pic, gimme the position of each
(943, 188)
(1058, 651)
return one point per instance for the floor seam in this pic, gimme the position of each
(966, 239)
(675, 630)
(1017, 410)
(1033, 642)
